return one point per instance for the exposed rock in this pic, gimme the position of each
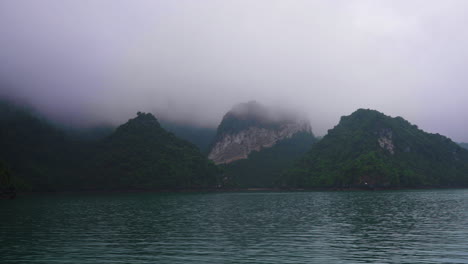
(251, 127)
(385, 140)
(369, 149)
(237, 146)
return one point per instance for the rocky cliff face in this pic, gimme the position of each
(252, 127)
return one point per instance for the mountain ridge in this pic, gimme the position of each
(368, 148)
(138, 154)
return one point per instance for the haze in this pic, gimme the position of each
(91, 62)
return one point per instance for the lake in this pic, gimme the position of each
(421, 226)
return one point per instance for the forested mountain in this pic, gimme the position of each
(36, 152)
(369, 148)
(463, 145)
(254, 148)
(254, 144)
(138, 155)
(141, 154)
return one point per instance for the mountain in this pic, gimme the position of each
(140, 154)
(252, 127)
(254, 144)
(463, 145)
(263, 168)
(202, 137)
(369, 148)
(137, 155)
(34, 150)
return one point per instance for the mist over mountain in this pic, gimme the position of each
(202, 137)
(36, 151)
(236, 131)
(251, 127)
(255, 143)
(93, 64)
(139, 154)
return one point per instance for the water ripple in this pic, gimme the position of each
(300, 227)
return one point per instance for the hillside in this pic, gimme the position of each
(255, 144)
(252, 127)
(463, 145)
(140, 154)
(137, 155)
(36, 151)
(202, 137)
(369, 148)
(262, 169)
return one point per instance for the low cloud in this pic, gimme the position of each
(88, 62)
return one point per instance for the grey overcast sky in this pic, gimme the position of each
(94, 61)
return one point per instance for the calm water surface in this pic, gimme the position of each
(259, 227)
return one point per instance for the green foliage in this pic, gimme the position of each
(263, 168)
(138, 155)
(142, 155)
(202, 137)
(350, 156)
(36, 152)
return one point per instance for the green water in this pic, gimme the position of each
(429, 226)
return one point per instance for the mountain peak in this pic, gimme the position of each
(251, 126)
(369, 147)
(143, 121)
(253, 114)
(146, 117)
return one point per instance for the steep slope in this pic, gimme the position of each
(254, 144)
(138, 155)
(202, 137)
(142, 155)
(252, 127)
(369, 148)
(262, 169)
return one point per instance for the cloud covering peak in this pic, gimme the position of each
(93, 61)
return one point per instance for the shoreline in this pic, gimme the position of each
(234, 190)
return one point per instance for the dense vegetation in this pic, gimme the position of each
(138, 155)
(368, 148)
(263, 168)
(202, 137)
(36, 151)
(141, 154)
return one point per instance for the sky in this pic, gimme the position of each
(88, 62)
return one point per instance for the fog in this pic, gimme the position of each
(100, 61)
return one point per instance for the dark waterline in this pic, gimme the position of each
(422, 226)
